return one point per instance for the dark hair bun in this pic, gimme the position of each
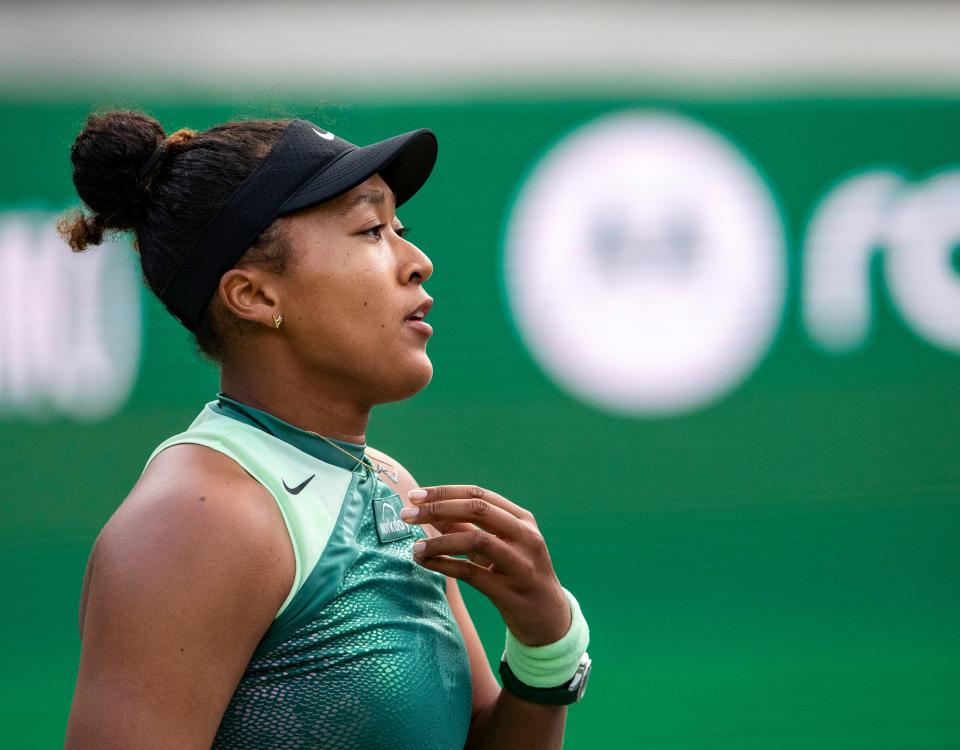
(107, 157)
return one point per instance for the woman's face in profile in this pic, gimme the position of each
(353, 292)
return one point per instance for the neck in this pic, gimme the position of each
(314, 408)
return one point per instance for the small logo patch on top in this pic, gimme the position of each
(386, 517)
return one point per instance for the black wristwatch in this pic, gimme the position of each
(562, 695)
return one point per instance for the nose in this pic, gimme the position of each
(415, 267)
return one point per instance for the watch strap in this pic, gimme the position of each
(562, 695)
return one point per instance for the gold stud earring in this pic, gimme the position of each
(277, 320)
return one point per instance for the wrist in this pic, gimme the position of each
(545, 622)
(552, 664)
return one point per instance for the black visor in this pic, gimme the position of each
(307, 165)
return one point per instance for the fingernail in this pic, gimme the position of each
(418, 547)
(408, 513)
(416, 495)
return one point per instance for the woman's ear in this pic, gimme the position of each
(249, 294)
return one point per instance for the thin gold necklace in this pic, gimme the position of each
(375, 469)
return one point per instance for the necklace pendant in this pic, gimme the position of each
(389, 471)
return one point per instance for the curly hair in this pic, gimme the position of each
(134, 178)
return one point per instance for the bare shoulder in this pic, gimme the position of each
(194, 513)
(182, 583)
(190, 484)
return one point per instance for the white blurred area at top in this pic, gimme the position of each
(389, 49)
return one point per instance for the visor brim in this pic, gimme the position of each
(404, 162)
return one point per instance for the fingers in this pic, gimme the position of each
(478, 544)
(444, 513)
(509, 562)
(447, 492)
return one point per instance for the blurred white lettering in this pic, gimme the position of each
(916, 231)
(69, 323)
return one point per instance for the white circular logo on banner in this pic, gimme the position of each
(645, 264)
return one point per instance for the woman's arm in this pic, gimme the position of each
(530, 600)
(500, 720)
(181, 584)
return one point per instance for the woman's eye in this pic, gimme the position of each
(377, 231)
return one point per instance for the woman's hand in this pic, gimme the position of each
(507, 556)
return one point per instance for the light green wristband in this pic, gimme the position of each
(555, 663)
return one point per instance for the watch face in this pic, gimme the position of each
(583, 682)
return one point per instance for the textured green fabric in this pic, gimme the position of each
(365, 652)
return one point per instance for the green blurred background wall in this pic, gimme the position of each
(772, 564)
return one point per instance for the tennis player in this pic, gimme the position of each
(271, 581)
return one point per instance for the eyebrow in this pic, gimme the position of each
(373, 197)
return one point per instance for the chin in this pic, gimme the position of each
(409, 380)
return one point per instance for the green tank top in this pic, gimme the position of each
(364, 652)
